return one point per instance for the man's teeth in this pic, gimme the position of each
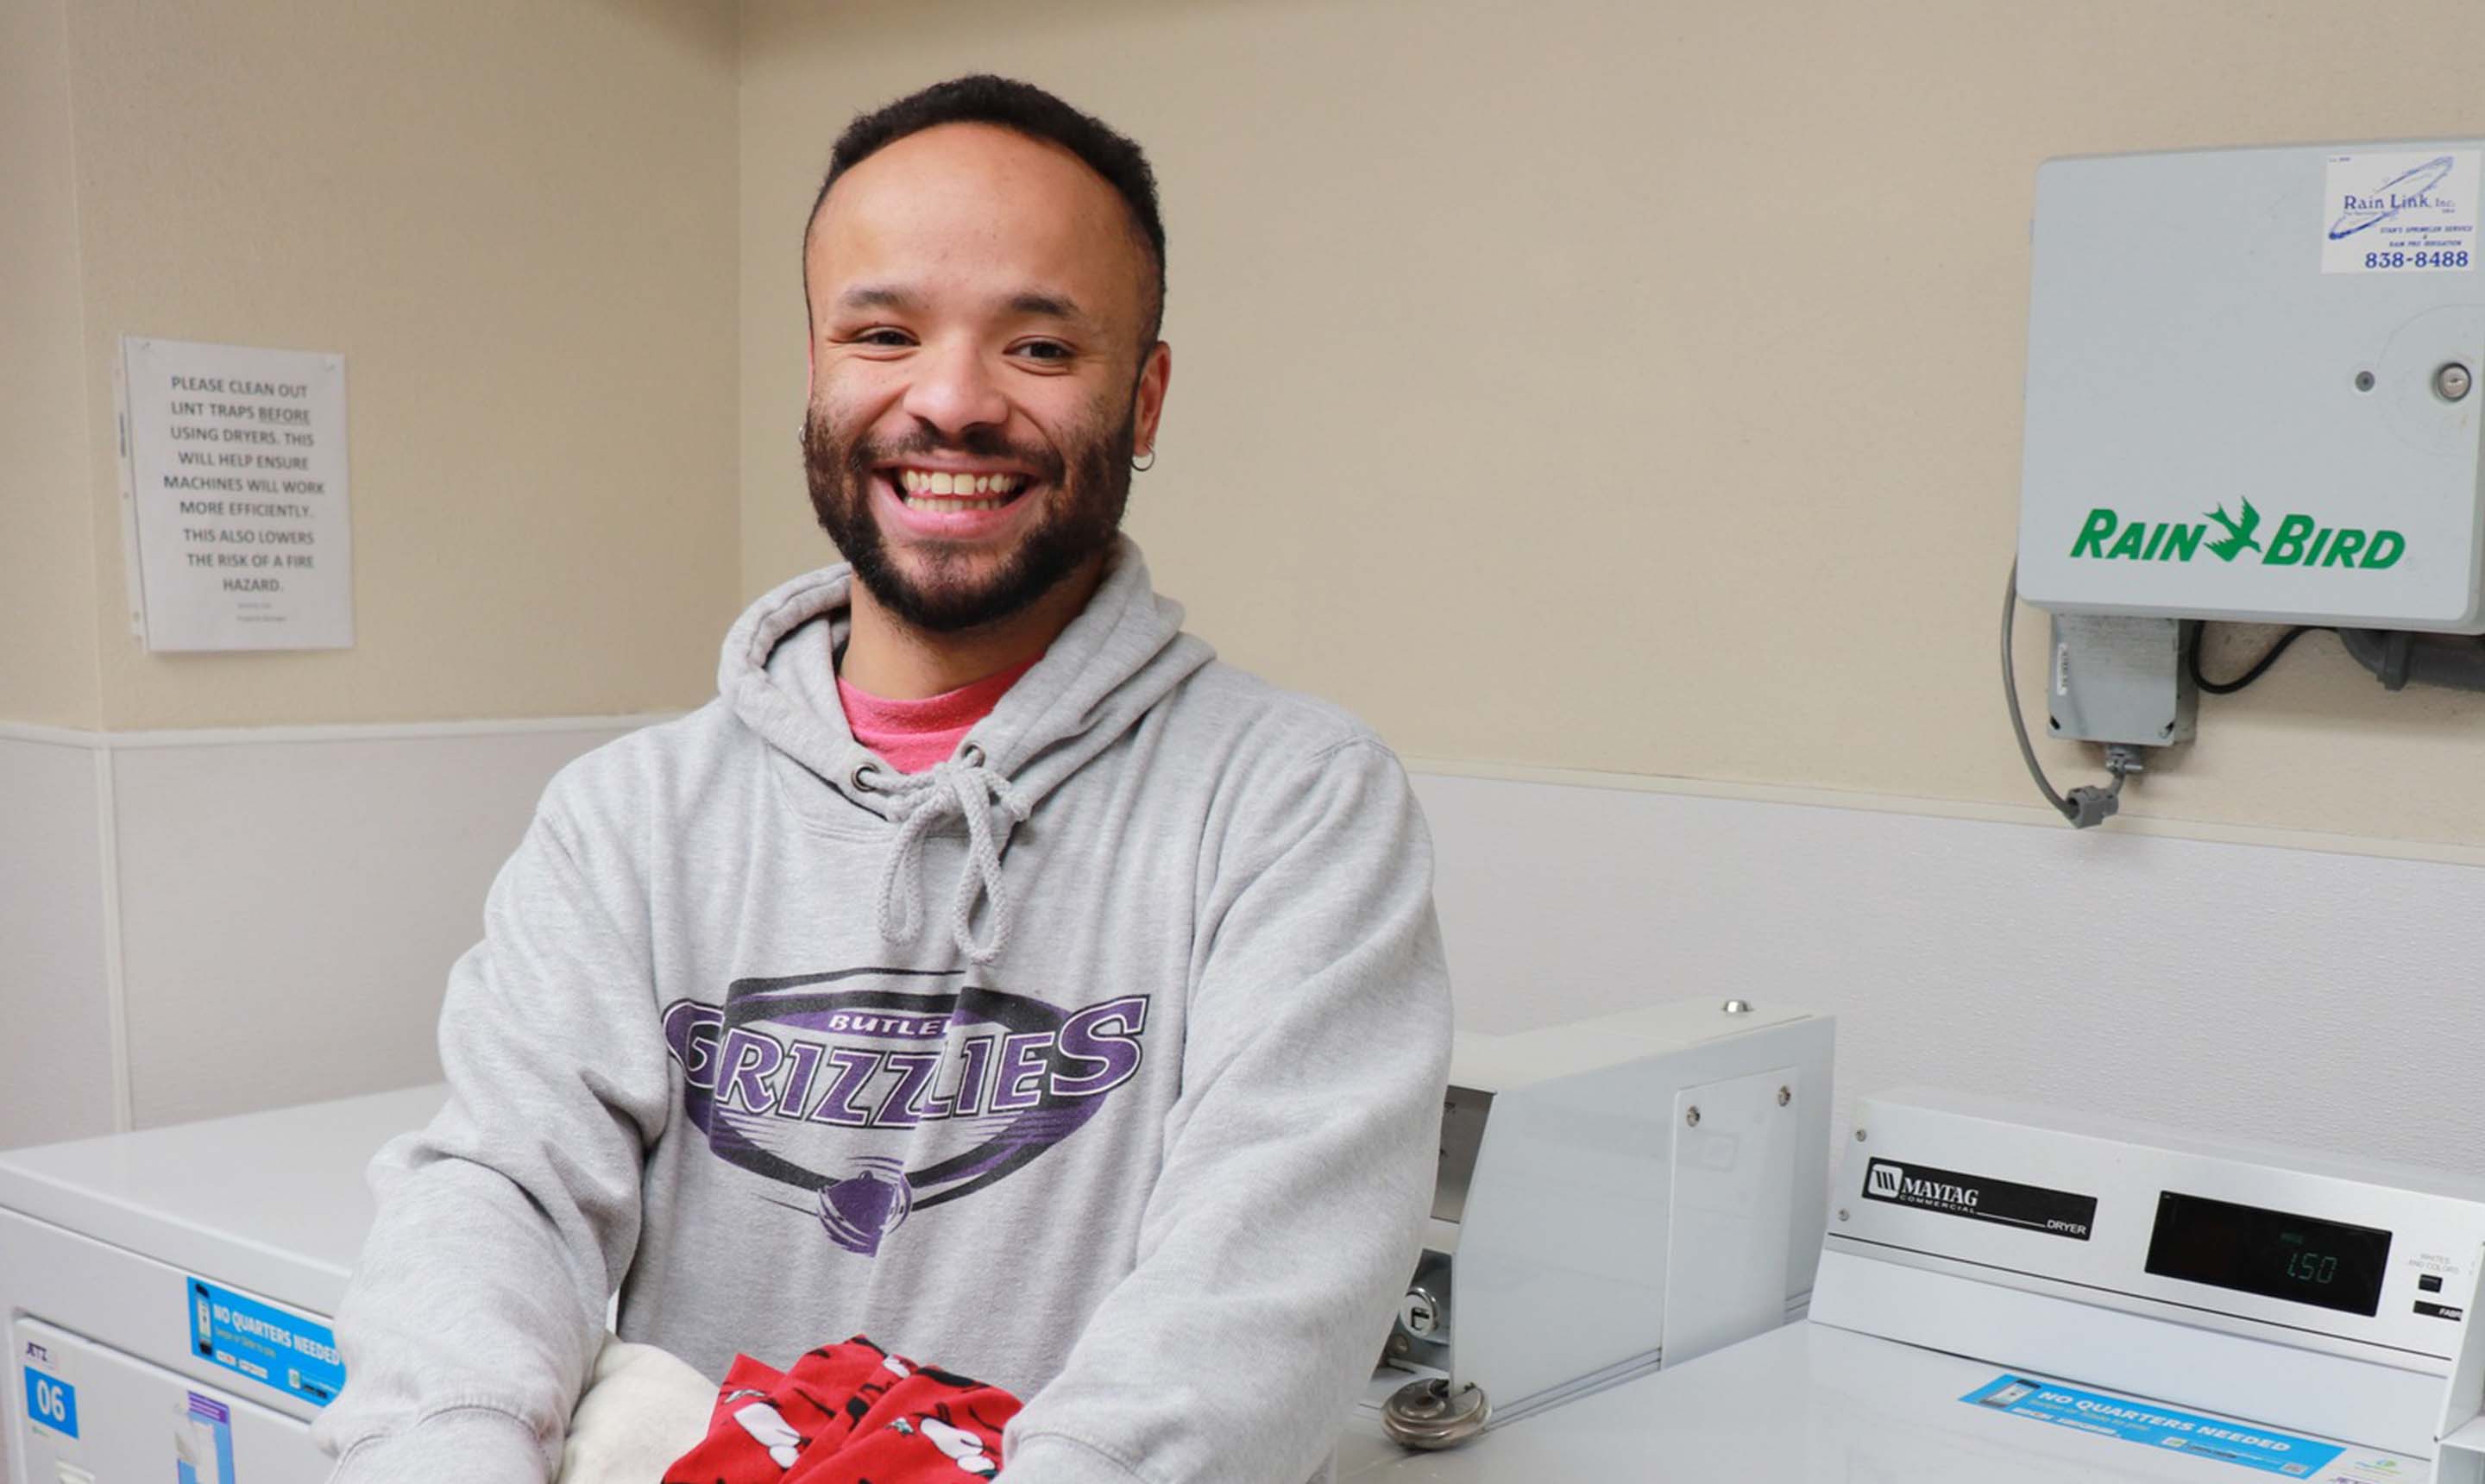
(945, 493)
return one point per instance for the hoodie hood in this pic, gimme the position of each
(1123, 653)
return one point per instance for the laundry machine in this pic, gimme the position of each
(2012, 1293)
(168, 1294)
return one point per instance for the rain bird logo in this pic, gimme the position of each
(2299, 541)
(2239, 534)
(2409, 191)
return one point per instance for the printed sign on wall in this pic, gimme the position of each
(234, 489)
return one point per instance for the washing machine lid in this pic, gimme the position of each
(270, 1202)
(1814, 1404)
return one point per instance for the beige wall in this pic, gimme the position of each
(517, 223)
(1636, 387)
(1593, 385)
(47, 660)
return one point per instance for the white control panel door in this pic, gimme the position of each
(1732, 1206)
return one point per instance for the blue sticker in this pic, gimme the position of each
(2159, 1427)
(202, 1448)
(286, 1352)
(51, 1401)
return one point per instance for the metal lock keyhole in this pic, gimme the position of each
(1419, 1313)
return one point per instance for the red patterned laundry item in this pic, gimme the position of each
(850, 1414)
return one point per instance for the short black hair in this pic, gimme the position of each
(1023, 108)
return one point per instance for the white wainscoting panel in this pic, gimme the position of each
(2310, 998)
(56, 1052)
(290, 907)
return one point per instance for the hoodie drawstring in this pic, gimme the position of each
(919, 800)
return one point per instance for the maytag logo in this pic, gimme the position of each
(1981, 1198)
(1890, 1182)
(1933, 1194)
(2299, 541)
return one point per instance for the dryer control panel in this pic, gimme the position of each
(2275, 1243)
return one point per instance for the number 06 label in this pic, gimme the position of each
(51, 1404)
(2404, 211)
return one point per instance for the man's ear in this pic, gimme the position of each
(1156, 373)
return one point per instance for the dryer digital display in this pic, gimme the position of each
(2278, 1256)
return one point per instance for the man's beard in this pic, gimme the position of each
(1085, 515)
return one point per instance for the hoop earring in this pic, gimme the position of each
(1140, 468)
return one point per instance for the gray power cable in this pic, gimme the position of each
(2087, 806)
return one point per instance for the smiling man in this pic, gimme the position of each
(988, 970)
(984, 308)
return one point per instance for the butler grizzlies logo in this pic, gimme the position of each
(882, 1092)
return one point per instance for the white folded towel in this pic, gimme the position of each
(644, 1408)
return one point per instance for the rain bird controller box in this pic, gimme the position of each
(2253, 386)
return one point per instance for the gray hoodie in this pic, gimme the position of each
(1101, 1062)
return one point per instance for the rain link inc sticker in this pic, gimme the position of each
(2400, 212)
